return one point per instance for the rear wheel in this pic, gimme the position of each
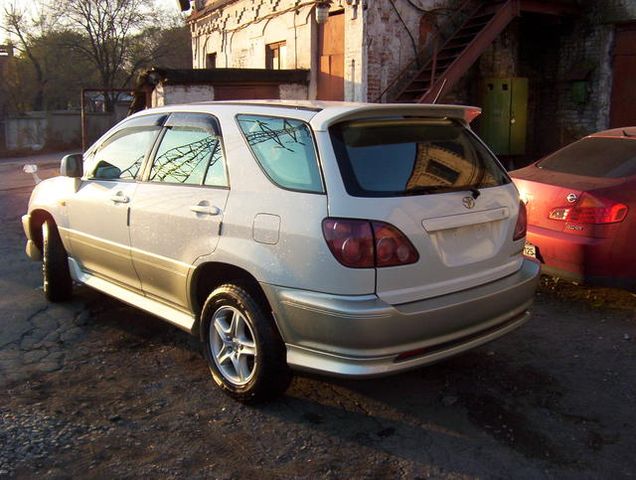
(56, 278)
(244, 351)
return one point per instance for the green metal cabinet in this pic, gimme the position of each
(504, 119)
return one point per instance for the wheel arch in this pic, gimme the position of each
(38, 217)
(210, 275)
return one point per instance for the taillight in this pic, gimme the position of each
(367, 244)
(391, 246)
(591, 210)
(522, 223)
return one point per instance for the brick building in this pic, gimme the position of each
(545, 72)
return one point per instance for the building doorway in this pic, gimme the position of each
(331, 36)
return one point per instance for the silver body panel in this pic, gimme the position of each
(333, 319)
(362, 336)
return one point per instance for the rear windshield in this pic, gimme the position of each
(411, 156)
(595, 157)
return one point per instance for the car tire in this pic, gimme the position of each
(245, 353)
(56, 278)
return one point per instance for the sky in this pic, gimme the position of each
(170, 5)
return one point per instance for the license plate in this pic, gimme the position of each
(530, 250)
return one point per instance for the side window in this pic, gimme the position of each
(121, 156)
(190, 153)
(285, 150)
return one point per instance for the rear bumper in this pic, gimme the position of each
(362, 336)
(579, 259)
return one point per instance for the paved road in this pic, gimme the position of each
(37, 159)
(31, 328)
(13, 177)
(95, 389)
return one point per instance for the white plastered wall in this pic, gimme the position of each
(176, 94)
(239, 32)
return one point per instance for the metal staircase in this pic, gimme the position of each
(450, 59)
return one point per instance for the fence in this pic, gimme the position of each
(56, 129)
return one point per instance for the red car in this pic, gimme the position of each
(581, 206)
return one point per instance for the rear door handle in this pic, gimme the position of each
(120, 198)
(205, 209)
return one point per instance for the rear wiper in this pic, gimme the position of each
(428, 189)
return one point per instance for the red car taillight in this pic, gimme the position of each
(522, 223)
(367, 244)
(591, 210)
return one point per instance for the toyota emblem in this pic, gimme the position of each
(572, 197)
(469, 202)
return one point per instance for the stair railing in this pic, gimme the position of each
(435, 43)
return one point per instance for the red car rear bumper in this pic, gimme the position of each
(578, 258)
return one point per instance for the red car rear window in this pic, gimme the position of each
(595, 157)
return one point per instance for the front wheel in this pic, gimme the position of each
(56, 278)
(244, 351)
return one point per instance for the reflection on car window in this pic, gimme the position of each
(411, 156)
(121, 156)
(189, 155)
(285, 150)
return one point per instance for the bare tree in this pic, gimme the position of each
(109, 28)
(64, 46)
(23, 28)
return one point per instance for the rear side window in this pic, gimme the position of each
(595, 157)
(411, 156)
(285, 150)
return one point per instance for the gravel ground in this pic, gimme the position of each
(125, 395)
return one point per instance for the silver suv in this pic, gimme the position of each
(346, 239)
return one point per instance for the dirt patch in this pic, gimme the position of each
(598, 298)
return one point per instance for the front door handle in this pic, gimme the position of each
(205, 209)
(120, 198)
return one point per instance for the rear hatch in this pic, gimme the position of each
(432, 179)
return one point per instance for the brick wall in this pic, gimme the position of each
(612, 11)
(395, 32)
(554, 53)
(586, 49)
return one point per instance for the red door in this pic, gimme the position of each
(331, 55)
(623, 109)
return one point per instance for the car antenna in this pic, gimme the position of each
(439, 92)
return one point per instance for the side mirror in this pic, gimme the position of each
(72, 166)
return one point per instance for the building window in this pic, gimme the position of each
(275, 56)
(210, 60)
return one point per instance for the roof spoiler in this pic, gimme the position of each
(324, 119)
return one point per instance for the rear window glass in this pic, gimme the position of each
(595, 157)
(285, 150)
(412, 156)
